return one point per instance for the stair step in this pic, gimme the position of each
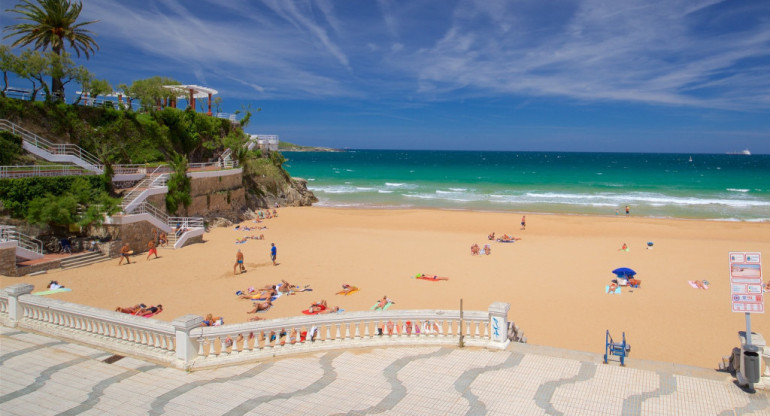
(89, 262)
(80, 257)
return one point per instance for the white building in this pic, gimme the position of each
(265, 142)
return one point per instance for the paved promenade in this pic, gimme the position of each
(45, 376)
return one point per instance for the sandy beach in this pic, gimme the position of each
(554, 278)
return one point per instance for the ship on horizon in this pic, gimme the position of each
(744, 152)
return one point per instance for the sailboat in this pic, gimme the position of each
(690, 159)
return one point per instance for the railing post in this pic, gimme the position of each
(186, 347)
(498, 325)
(15, 310)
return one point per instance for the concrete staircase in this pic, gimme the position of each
(80, 260)
(53, 152)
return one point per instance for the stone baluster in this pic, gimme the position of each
(498, 324)
(186, 346)
(15, 308)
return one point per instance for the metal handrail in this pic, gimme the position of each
(151, 181)
(24, 171)
(9, 233)
(48, 146)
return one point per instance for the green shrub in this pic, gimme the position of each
(10, 148)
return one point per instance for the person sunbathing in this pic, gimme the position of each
(700, 284)
(131, 309)
(346, 289)
(318, 307)
(507, 237)
(261, 306)
(383, 302)
(491, 237)
(475, 249)
(613, 286)
(430, 277)
(212, 321)
(54, 285)
(487, 249)
(149, 310)
(331, 310)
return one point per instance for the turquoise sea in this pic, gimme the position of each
(719, 187)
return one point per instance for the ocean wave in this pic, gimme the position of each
(458, 189)
(737, 190)
(650, 199)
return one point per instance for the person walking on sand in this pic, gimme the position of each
(523, 222)
(628, 210)
(124, 252)
(238, 262)
(153, 249)
(273, 253)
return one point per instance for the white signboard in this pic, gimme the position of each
(746, 282)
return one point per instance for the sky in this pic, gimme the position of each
(683, 76)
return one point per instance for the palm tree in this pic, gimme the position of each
(50, 24)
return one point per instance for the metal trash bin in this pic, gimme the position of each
(750, 365)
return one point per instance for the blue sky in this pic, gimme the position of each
(630, 76)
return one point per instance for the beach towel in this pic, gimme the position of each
(352, 290)
(607, 290)
(499, 240)
(384, 308)
(695, 286)
(423, 277)
(307, 311)
(49, 292)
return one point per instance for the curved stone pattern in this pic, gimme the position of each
(462, 384)
(42, 376)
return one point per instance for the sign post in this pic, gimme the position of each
(746, 285)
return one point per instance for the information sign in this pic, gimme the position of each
(746, 282)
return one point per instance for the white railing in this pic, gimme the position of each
(42, 170)
(232, 117)
(10, 233)
(50, 147)
(184, 343)
(156, 178)
(102, 328)
(349, 329)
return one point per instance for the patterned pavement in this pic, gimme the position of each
(40, 375)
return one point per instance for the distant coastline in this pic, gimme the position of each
(291, 147)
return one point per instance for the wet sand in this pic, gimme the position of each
(554, 278)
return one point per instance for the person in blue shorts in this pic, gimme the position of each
(238, 262)
(273, 252)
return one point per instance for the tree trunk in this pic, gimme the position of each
(57, 89)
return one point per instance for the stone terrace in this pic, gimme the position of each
(45, 376)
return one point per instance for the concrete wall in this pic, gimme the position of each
(137, 235)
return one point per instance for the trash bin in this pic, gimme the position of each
(751, 363)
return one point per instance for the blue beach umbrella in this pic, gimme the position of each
(624, 271)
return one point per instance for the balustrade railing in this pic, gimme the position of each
(10, 233)
(42, 170)
(184, 343)
(48, 146)
(352, 329)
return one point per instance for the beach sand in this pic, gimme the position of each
(554, 278)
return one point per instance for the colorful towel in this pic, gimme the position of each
(607, 290)
(424, 277)
(384, 308)
(695, 286)
(350, 292)
(499, 240)
(316, 312)
(49, 292)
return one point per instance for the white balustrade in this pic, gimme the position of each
(183, 344)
